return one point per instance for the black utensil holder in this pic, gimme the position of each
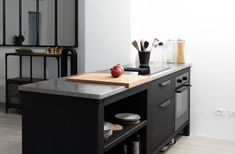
(144, 57)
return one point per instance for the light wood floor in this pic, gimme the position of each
(10, 139)
(201, 145)
(10, 132)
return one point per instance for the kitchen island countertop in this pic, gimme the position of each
(87, 90)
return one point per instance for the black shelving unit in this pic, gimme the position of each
(120, 136)
(12, 93)
(135, 103)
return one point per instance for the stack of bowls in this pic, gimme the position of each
(108, 130)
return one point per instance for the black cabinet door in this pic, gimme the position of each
(161, 90)
(161, 124)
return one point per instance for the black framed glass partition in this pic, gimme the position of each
(28, 18)
(65, 33)
(12, 21)
(47, 22)
(39, 23)
(1, 22)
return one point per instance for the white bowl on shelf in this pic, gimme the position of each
(129, 117)
(108, 130)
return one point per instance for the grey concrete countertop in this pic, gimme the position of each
(86, 90)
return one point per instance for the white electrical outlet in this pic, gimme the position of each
(231, 113)
(219, 112)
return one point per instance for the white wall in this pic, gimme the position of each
(208, 28)
(104, 34)
(107, 33)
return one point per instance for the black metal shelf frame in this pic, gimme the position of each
(37, 25)
(24, 80)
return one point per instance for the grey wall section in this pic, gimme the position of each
(81, 36)
(66, 33)
(1, 23)
(12, 20)
(47, 24)
(27, 6)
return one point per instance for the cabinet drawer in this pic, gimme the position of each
(160, 91)
(161, 124)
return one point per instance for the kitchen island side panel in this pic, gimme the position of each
(53, 124)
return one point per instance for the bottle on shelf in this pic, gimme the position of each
(125, 148)
(171, 51)
(180, 51)
(135, 145)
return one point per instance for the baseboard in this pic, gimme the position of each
(213, 137)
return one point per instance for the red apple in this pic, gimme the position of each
(121, 67)
(116, 71)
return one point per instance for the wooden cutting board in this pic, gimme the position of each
(106, 78)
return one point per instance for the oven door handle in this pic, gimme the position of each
(182, 89)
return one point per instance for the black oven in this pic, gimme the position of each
(182, 100)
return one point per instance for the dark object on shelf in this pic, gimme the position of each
(12, 93)
(54, 50)
(73, 62)
(23, 50)
(18, 40)
(124, 149)
(135, 144)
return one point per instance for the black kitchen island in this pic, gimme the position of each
(63, 117)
